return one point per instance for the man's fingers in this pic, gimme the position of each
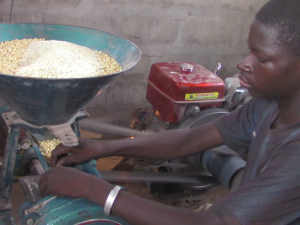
(43, 184)
(57, 153)
(69, 160)
(42, 188)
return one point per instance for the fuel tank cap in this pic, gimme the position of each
(186, 67)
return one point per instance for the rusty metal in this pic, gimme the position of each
(65, 133)
(30, 187)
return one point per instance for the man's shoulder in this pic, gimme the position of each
(255, 108)
(260, 108)
(263, 102)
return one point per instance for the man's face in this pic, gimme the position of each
(270, 69)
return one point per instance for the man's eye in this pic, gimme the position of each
(261, 60)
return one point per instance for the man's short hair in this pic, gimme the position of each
(284, 15)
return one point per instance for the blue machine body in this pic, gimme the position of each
(64, 211)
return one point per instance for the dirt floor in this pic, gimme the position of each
(192, 200)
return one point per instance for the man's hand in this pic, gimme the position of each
(66, 182)
(83, 152)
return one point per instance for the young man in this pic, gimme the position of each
(268, 125)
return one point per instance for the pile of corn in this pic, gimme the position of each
(53, 59)
(47, 146)
(11, 54)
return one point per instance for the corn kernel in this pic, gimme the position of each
(47, 146)
(12, 55)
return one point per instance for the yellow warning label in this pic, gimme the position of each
(201, 96)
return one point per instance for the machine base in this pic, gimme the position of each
(65, 211)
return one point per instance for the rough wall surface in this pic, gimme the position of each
(203, 31)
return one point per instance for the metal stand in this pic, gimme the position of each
(6, 179)
(51, 209)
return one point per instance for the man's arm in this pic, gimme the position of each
(273, 197)
(169, 144)
(136, 210)
(131, 208)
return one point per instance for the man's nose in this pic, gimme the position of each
(245, 65)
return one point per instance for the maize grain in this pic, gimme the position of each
(47, 146)
(11, 53)
(54, 59)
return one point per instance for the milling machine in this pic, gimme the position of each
(183, 95)
(43, 109)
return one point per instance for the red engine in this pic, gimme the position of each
(175, 85)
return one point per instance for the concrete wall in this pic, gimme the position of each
(203, 31)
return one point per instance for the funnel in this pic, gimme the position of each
(44, 102)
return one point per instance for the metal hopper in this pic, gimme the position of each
(44, 102)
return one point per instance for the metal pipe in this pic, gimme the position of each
(100, 128)
(124, 176)
(36, 167)
(37, 151)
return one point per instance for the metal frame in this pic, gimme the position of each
(6, 178)
(43, 211)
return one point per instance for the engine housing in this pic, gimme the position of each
(172, 86)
